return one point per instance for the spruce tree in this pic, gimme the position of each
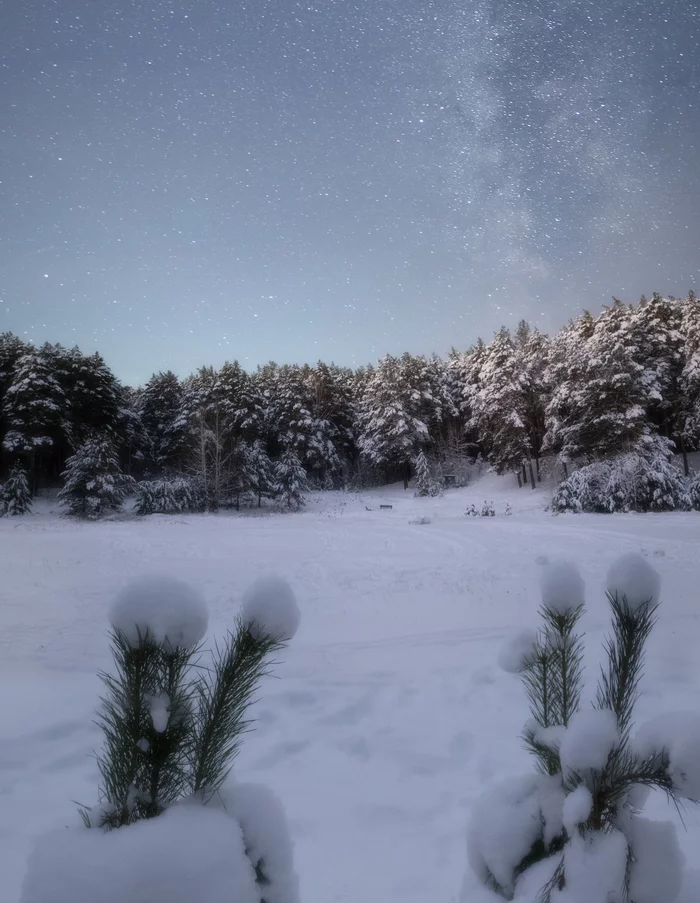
(15, 497)
(93, 480)
(291, 483)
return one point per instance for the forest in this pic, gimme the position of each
(604, 388)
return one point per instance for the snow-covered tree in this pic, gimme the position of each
(92, 392)
(689, 412)
(564, 380)
(35, 408)
(15, 496)
(423, 478)
(93, 482)
(641, 480)
(394, 413)
(208, 422)
(574, 831)
(259, 473)
(291, 483)
(160, 407)
(498, 408)
(11, 350)
(171, 733)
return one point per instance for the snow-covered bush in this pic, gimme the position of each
(638, 481)
(472, 511)
(487, 510)
(573, 832)
(93, 481)
(168, 827)
(15, 497)
(508, 510)
(423, 477)
(173, 496)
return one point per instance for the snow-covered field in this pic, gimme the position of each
(389, 715)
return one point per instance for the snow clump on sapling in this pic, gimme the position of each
(270, 609)
(164, 609)
(634, 582)
(562, 587)
(515, 653)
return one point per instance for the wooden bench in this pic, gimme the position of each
(385, 507)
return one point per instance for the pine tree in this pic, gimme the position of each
(394, 413)
(423, 478)
(291, 483)
(259, 472)
(582, 813)
(35, 408)
(689, 409)
(92, 392)
(207, 421)
(93, 480)
(172, 730)
(11, 350)
(160, 407)
(15, 497)
(499, 409)
(564, 379)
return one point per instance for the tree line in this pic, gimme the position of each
(626, 380)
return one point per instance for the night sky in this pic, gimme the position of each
(185, 183)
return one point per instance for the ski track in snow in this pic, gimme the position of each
(388, 715)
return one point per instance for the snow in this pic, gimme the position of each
(634, 581)
(588, 740)
(504, 824)
(159, 707)
(562, 587)
(169, 610)
(514, 654)
(388, 715)
(270, 608)
(657, 873)
(577, 808)
(679, 734)
(189, 853)
(595, 865)
(262, 818)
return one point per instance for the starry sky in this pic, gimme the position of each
(185, 183)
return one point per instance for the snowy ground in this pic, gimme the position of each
(390, 714)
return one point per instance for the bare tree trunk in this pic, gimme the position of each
(524, 475)
(532, 475)
(520, 479)
(566, 470)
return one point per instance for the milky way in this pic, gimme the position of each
(185, 183)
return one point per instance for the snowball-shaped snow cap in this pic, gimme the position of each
(588, 740)
(270, 609)
(169, 611)
(563, 588)
(515, 653)
(634, 582)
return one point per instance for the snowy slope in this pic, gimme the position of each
(391, 714)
